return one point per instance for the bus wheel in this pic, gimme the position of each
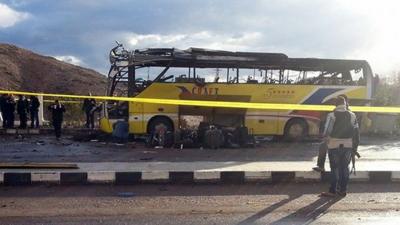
(295, 130)
(167, 123)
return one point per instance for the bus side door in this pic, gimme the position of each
(136, 118)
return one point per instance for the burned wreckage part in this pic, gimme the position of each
(214, 137)
(228, 137)
(186, 138)
(206, 135)
(160, 137)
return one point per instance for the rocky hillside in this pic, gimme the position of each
(23, 70)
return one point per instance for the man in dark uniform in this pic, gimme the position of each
(57, 112)
(34, 105)
(10, 109)
(22, 110)
(3, 109)
(88, 107)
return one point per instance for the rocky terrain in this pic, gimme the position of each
(24, 70)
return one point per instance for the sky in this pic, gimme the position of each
(83, 32)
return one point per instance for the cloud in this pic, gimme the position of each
(358, 29)
(154, 39)
(70, 59)
(9, 17)
(202, 39)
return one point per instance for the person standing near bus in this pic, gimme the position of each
(323, 148)
(57, 113)
(3, 109)
(9, 111)
(342, 128)
(89, 106)
(34, 105)
(22, 110)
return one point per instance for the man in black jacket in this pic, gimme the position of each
(89, 106)
(3, 109)
(9, 111)
(34, 105)
(57, 113)
(22, 110)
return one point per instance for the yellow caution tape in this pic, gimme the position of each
(247, 105)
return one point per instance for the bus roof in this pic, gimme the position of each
(207, 58)
(329, 65)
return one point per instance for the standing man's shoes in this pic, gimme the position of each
(318, 169)
(328, 194)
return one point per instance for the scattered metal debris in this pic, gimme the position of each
(40, 143)
(147, 158)
(126, 194)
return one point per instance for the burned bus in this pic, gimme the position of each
(203, 74)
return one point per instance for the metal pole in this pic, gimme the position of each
(131, 81)
(41, 115)
(280, 76)
(237, 75)
(227, 75)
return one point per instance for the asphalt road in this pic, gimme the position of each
(47, 149)
(200, 204)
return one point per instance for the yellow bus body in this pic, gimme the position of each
(259, 122)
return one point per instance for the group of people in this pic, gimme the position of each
(23, 107)
(28, 108)
(57, 113)
(341, 138)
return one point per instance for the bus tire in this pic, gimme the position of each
(159, 120)
(296, 130)
(167, 122)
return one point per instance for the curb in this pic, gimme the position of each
(184, 177)
(40, 131)
(20, 131)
